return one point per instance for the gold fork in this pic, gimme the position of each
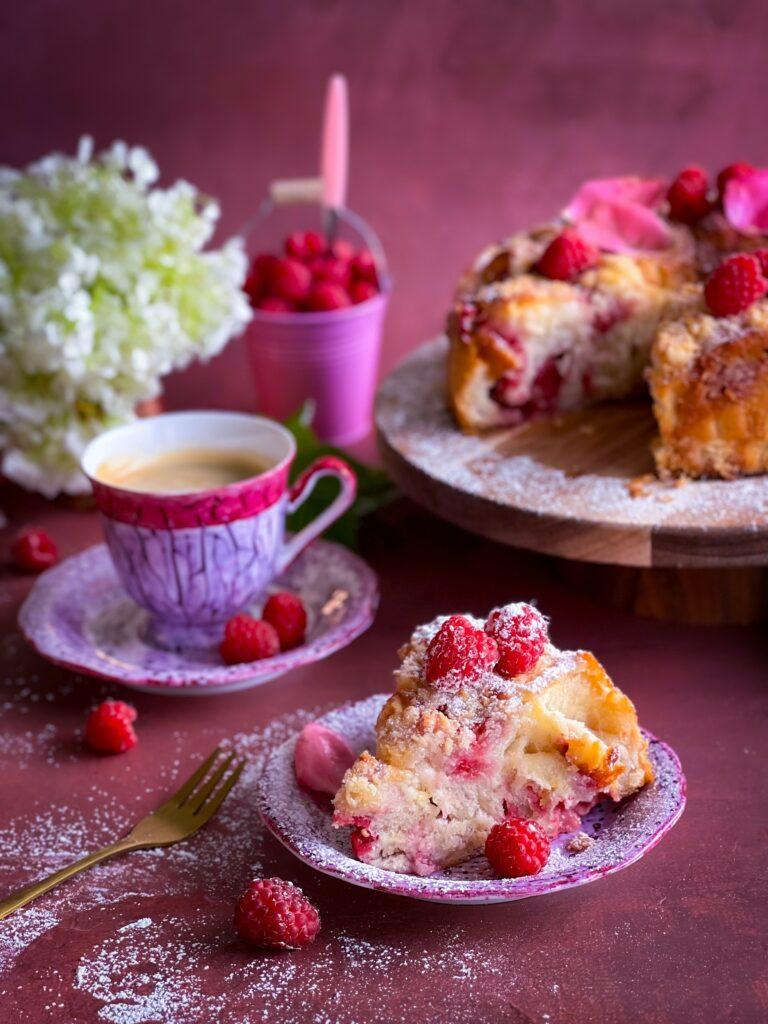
(188, 809)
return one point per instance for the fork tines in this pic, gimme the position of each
(203, 793)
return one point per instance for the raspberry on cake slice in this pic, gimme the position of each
(465, 744)
(546, 323)
(709, 377)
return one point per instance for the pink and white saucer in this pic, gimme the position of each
(77, 615)
(622, 833)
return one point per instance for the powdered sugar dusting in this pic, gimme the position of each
(159, 945)
(623, 832)
(413, 417)
(103, 632)
(152, 968)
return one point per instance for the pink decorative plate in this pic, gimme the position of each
(622, 833)
(78, 615)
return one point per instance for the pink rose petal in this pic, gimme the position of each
(625, 227)
(597, 191)
(618, 215)
(321, 758)
(745, 202)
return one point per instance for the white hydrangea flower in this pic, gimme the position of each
(105, 287)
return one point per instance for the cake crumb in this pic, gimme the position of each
(640, 486)
(579, 843)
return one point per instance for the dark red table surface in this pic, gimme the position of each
(678, 937)
(468, 119)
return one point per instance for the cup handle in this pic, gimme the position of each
(328, 465)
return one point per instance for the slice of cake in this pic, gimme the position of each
(488, 720)
(546, 323)
(709, 378)
(568, 315)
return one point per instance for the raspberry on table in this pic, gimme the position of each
(109, 729)
(567, 256)
(275, 914)
(459, 653)
(741, 169)
(521, 634)
(687, 196)
(248, 639)
(516, 847)
(735, 285)
(33, 550)
(287, 614)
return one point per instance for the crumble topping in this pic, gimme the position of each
(579, 843)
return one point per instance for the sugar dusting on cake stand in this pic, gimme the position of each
(581, 487)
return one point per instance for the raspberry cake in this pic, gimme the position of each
(568, 315)
(489, 721)
(709, 379)
(528, 344)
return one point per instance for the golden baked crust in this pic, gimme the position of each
(709, 382)
(448, 766)
(521, 345)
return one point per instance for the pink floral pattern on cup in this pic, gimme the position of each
(194, 560)
(167, 512)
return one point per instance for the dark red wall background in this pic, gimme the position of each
(468, 118)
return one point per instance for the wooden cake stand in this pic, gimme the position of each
(581, 487)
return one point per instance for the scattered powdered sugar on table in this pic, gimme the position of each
(412, 414)
(153, 929)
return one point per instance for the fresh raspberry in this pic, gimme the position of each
(341, 249)
(735, 285)
(362, 291)
(732, 173)
(566, 257)
(546, 386)
(290, 280)
(326, 268)
(687, 196)
(521, 634)
(326, 296)
(286, 613)
(459, 653)
(466, 315)
(761, 255)
(257, 282)
(272, 304)
(33, 550)
(303, 245)
(363, 267)
(517, 846)
(362, 840)
(248, 639)
(109, 729)
(275, 914)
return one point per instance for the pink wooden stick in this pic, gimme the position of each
(334, 158)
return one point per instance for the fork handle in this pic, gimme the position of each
(23, 896)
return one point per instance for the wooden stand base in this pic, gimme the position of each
(710, 597)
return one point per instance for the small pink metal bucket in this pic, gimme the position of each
(329, 358)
